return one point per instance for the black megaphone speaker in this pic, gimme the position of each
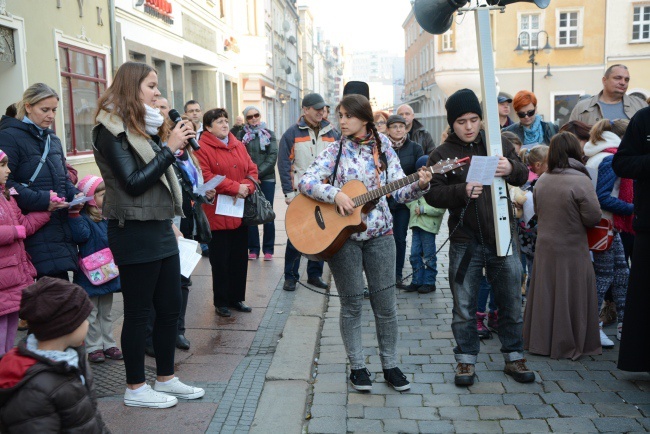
(542, 4)
(435, 16)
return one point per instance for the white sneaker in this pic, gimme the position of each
(147, 397)
(605, 342)
(175, 388)
(619, 330)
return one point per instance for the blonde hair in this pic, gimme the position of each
(94, 212)
(534, 155)
(617, 127)
(34, 94)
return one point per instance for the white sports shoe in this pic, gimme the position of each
(175, 388)
(619, 330)
(605, 342)
(148, 397)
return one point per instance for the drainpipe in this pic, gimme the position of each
(111, 24)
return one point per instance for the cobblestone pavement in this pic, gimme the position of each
(588, 395)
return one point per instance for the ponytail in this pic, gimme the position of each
(534, 155)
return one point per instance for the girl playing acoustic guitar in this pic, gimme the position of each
(362, 154)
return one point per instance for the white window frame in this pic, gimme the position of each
(542, 20)
(557, 93)
(578, 28)
(447, 40)
(641, 23)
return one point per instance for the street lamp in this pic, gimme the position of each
(533, 50)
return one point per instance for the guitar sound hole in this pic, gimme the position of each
(318, 215)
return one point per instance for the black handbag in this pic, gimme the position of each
(257, 210)
(203, 232)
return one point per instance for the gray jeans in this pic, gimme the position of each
(377, 258)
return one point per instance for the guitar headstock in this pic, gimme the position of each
(448, 165)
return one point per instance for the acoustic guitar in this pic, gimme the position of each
(318, 230)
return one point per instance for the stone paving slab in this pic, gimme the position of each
(588, 395)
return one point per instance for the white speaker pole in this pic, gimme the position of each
(493, 129)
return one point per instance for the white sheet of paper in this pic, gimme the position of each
(482, 169)
(226, 206)
(529, 207)
(188, 255)
(212, 183)
(79, 200)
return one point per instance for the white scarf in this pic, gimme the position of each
(153, 119)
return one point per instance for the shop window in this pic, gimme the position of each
(83, 79)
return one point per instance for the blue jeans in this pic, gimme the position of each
(292, 263)
(268, 190)
(484, 291)
(507, 290)
(423, 244)
(400, 229)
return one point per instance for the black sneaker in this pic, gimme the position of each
(412, 287)
(399, 284)
(395, 378)
(289, 285)
(425, 289)
(360, 379)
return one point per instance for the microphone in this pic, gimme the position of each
(176, 118)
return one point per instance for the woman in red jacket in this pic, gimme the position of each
(222, 154)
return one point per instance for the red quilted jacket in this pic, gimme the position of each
(16, 269)
(231, 161)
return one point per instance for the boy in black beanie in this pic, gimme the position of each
(473, 244)
(45, 382)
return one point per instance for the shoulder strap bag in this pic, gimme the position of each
(257, 210)
(40, 163)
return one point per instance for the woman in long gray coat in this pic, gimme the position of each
(561, 318)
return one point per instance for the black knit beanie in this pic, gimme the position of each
(461, 102)
(54, 307)
(358, 88)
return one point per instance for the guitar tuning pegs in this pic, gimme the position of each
(453, 171)
(447, 159)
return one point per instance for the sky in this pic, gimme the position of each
(362, 25)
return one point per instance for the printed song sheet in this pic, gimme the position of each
(482, 169)
(188, 255)
(229, 206)
(212, 183)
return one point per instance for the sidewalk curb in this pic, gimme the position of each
(287, 386)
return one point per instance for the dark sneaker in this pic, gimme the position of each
(96, 356)
(464, 374)
(289, 285)
(412, 287)
(114, 353)
(426, 289)
(222, 311)
(399, 284)
(395, 378)
(317, 282)
(519, 371)
(360, 379)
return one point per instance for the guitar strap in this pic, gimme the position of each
(382, 157)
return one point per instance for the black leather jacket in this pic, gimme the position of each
(134, 190)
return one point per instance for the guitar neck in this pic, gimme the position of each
(382, 191)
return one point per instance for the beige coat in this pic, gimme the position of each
(589, 112)
(561, 318)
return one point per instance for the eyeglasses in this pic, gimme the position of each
(397, 127)
(249, 117)
(380, 123)
(528, 114)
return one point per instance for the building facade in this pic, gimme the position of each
(585, 38)
(71, 54)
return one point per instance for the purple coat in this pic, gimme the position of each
(16, 269)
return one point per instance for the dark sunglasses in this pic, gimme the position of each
(249, 117)
(528, 114)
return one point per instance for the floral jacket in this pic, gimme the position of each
(357, 162)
